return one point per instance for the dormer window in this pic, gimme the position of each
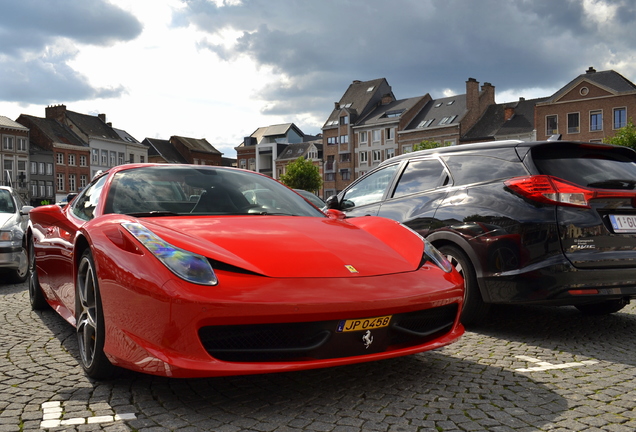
(425, 123)
(393, 114)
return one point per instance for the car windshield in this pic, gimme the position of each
(588, 165)
(6, 202)
(178, 190)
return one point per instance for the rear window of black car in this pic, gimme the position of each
(588, 165)
(474, 168)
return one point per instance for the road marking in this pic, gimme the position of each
(52, 417)
(542, 366)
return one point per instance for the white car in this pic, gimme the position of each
(14, 217)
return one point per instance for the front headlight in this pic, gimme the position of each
(187, 265)
(433, 254)
(12, 235)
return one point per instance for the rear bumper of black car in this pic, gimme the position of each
(557, 282)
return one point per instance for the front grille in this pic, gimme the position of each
(319, 340)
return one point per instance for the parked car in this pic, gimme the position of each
(246, 278)
(551, 223)
(311, 197)
(14, 217)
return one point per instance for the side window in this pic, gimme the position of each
(419, 176)
(84, 205)
(474, 169)
(370, 189)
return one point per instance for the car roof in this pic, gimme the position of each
(490, 145)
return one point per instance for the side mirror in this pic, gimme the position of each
(332, 202)
(335, 214)
(25, 210)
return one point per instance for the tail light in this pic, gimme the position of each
(556, 191)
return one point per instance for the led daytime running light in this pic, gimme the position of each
(187, 265)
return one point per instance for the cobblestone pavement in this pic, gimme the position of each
(527, 369)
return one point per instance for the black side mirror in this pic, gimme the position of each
(332, 202)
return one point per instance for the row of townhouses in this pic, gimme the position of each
(369, 124)
(48, 158)
(45, 159)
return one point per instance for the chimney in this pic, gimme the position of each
(472, 94)
(336, 105)
(387, 99)
(488, 93)
(102, 117)
(509, 113)
(57, 112)
(591, 70)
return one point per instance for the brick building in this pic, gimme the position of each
(591, 107)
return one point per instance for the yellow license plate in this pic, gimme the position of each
(363, 324)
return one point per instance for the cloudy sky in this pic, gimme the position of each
(219, 69)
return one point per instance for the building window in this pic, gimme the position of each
(42, 188)
(252, 164)
(104, 157)
(94, 156)
(59, 158)
(345, 157)
(82, 159)
(551, 125)
(330, 161)
(377, 135)
(34, 167)
(407, 149)
(330, 176)
(573, 123)
(344, 120)
(132, 158)
(120, 158)
(49, 169)
(363, 137)
(344, 139)
(620, 118)
(390, 133)
(22, 146)
(389, 153)
(345, 174)
(71, 182)
(377, 156)
(364, 157)
(7, 143)
(113, 158)
(141, 159)
(332, 140)
(60, 182)
(596, 120)
(34, 188)
(83, 181)
(71, 160)
(49, 189)
(242, 163)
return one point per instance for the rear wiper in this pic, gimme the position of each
(614, 184)
(153, 213)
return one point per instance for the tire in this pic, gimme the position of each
(36, 295)
(474, 309)
(20, 274)
(90, 325)
(603, 308)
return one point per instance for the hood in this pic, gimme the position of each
(288, 246)
(7, 220)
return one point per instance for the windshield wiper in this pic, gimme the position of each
(153, 213)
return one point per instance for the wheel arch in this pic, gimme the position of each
(446, 238)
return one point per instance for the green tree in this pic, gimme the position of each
(302, 174)
(425, 145)
(625, 136)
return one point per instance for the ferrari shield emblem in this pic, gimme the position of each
(351, 268)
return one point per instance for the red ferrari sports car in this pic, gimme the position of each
(192, 271)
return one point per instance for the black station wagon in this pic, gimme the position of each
(551, 223)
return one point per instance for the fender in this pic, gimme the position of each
(438, 238)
